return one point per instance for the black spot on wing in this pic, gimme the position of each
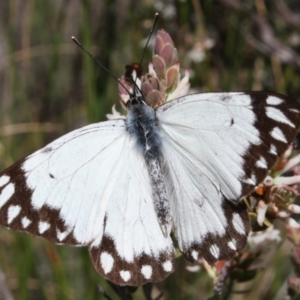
(46, 150)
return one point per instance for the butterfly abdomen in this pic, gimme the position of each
(142, 124)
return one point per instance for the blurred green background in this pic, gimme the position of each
(48, 87)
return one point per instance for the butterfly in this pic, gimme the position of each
(126, 187)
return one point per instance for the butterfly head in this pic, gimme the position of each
(135, 100)
(130, 86)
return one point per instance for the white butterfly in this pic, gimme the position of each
(121, 187)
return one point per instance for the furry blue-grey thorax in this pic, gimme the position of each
(142, 125)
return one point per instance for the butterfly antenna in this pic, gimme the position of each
(149, 36)
(146, 45)
(99, 63)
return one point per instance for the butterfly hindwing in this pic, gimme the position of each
(90, 187)
(203, 219)
(217, 147)
(131, 228)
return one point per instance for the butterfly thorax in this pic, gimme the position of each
(143, 126)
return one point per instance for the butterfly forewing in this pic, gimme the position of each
(217, 147)
(50, 193)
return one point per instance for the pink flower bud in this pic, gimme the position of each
(172, 76)
(162, 39)
(159, 66)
